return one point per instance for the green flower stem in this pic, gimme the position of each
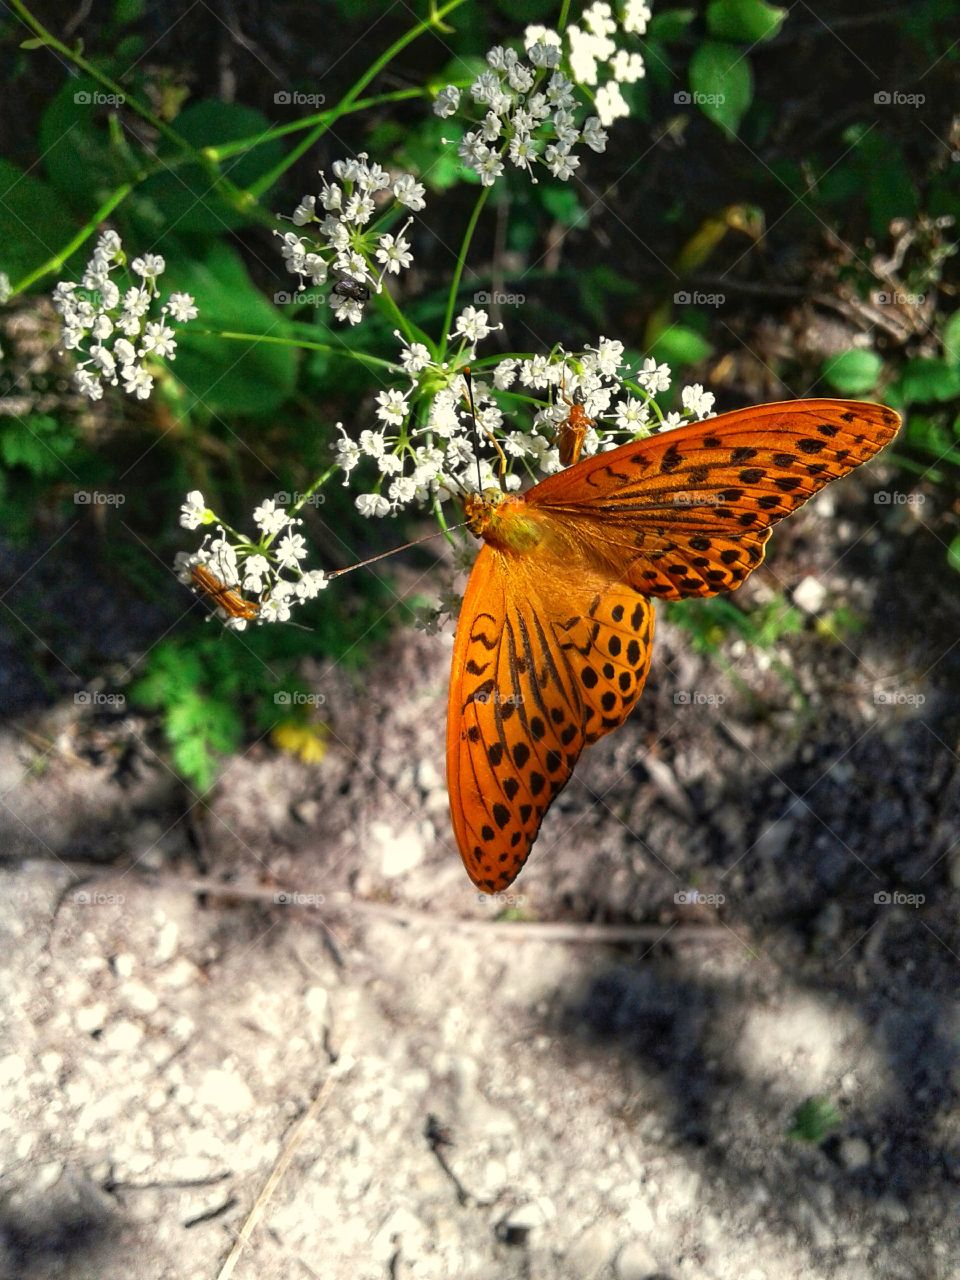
(374, 362)
(57, 261)
(432, 21)
(458, 270)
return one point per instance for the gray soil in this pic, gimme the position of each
(406, 1088)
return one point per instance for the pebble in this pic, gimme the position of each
(589, 1255)
(400, 851)
(809, 595)
(224, 1091)
(12, 1068)
(635, 1262)
(167, 940)
(139, 997)
(123, 1036)
(855, 1154)
(91, 1017)
(519, 1222)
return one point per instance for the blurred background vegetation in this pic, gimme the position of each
(797, 238)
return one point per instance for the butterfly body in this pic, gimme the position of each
(555, 635)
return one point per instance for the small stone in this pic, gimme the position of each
(317, 1002)
(519, 1222)
(91, 1017)
(123, 964)
(809, 595)
(893, 1210)
(167, 940)
(307, 811)
(226, 1092)
(591, 1253)
(635, 1262)
(139, 997)
(123, 1036)
(12, 1068)
(428, 776)
(855, 1154)
(400, 851)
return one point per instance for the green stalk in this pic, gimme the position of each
(375, 362)
(57, 261)
(458, 270)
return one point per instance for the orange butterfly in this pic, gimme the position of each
(554, 640)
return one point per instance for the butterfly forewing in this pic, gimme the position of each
(542, 670)
(689, 511)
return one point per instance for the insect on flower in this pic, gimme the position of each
(572, 431)
(354, 289)
(224, 597)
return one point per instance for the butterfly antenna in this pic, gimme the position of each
(338, 573)
(468, 374)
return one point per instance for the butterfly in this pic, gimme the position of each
(555, 634)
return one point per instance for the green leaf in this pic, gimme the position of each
(185, 197)
(77, 156)
(951, 339)
(748, 20)
(34, 225)
(670, 24)
(721, 80)
(953, 553)
(679, 346)
(563, 204)
(814, 1120)
(926, 379)
(230, 376)
(35, 42)
(853, 373)
(38, 443)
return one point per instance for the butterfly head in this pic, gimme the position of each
(503, 520)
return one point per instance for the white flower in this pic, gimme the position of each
(393, 253)
(311, 584)
(415, 358)
(149, 266)
(137, 382)
(632, 415)
(672, 420)
(627, 67)
(447, 102)
(599, 18)
(611, 104)
(158, 340)
(489, 168)
(505, 374)
(291, 550)
(410, 192)
(269, 518)
(472, 324)
(256, 569)
(696, 401)
(87, 384)
(594, 136)
(391, 407)
(348, 309)
(636, 15)
(543, 54)
(306, 211)
(372, 504)
(182, 307)
(193, 512)
(348, 452)
(562, 166)
(654, 377)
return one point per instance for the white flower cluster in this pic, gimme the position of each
(529, 115)
(113, 329)
(258, 568)
(353, 242)
(596, 51)
(425, 444)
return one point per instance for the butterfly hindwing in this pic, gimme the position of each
(535, 678)
(688, 512)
